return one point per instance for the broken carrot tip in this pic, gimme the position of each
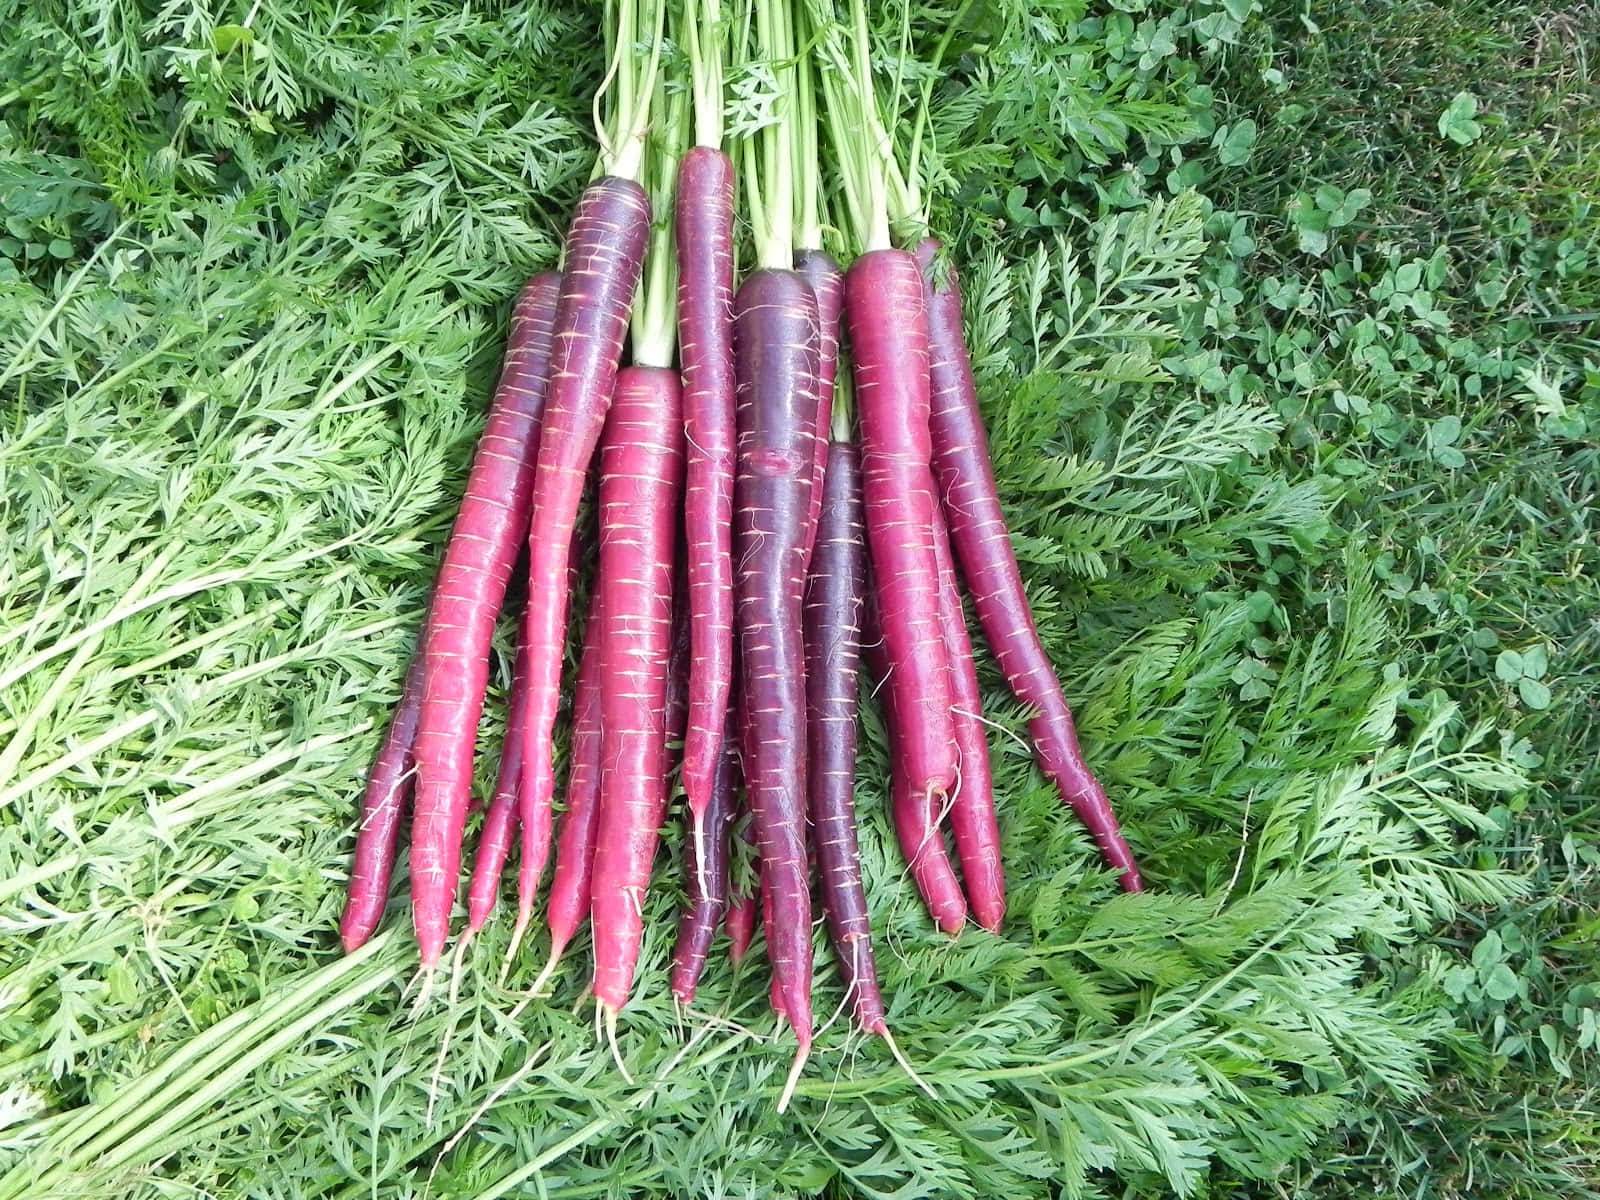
(556, 947)
(800, 1056)
(609, 1016)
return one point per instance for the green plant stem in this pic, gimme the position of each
(772, 213)
(906, 202)
(706, 45)
(861, 146)
(844, 408)
(880, 158)
(655, 316)
(623, 137)
(808, 176)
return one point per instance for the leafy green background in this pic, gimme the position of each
(1285, 318)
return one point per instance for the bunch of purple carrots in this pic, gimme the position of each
(787, 475)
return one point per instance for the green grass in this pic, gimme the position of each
(1304, 467)
(1492, 553)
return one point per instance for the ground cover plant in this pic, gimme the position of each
(1284, 329)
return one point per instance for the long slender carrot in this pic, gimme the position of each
(827, 281)
(776, 354)
(914, 814)
(382, 807)
(641, 470)
(834, 597)
(500, 819)
(467, 597)
(678, 662)
(706, 871)
(703, 218)
(604, 257)
(568, 906)
(972, 813)
(888, 319)
(983, 547)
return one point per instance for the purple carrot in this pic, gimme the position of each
(568, 907)
(972, 815)
(703, 216)
(827, 281)
(706, 868)
(914, 814)
(604, 260)
(678, 664)
(382, 806)
(775, 343)
(834, 598)
(887, 312)
(500, 820)
(471, 587)
(641, 478)
(983, 547)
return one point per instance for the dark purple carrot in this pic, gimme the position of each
(775, 343)
(983, 547)
(641, 475)
(706, 869)
(774, 982)
(703, 217)
(834, 597)
(382, 807)
(500, 819)
(604, 260)
(827, 281)
(568, 907)
(972, 815)
(915, 815)
(887, 313)
(678, 664)
(471, 587)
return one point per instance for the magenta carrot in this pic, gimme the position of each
(703, 217)
(834, 597)
(706, 871)
(641, 474)
(888, 318)
(382, 807)
(916, 827)
(500, 819)
(776, 357)
(570, 884)
(972, 815)
(740, 920)
(604, 261)
(827, 281)
(983, 547)
(478, 561)
(915, 815)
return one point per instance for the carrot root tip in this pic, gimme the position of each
(799, 1064)
(549, 969)
(424, 993)
(609, 1015)
(905, 1065)
(517, 932)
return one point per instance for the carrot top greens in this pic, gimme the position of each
(768, 165)
(655, 315)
